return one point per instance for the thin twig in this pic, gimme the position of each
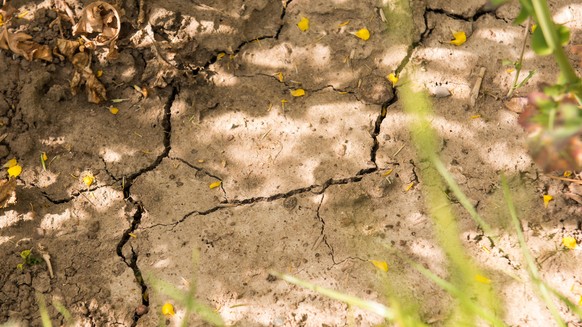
(519, 60)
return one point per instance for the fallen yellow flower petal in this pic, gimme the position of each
(408, 187)
(43, 159)
(23, 14)
(510, 70)
(303, 24)
(132, 235)
(382, 265)
(14, 171)
(344, 23)
(168, 309)
(220, 55)
(569, 242)
(363, 34)
(459, 38)
(88, 180)
(215, 184)
(567, 173)
(298, 92)
(10, 163)
(388, 172)
(533, 28)
(580, 301)
(99, 73)
(547, 199)
(113, 110)
(475, 116)
(482, 279)
(392, 78)
(280, 77)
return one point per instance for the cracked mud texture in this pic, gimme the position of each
(303, 180)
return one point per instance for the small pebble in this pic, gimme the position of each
(441, 92)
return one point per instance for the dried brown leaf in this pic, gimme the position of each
(7, 192)
(67, 48)
(99, 23)
(22, 44)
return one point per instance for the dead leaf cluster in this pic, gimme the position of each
(20, 43)
(99, 23)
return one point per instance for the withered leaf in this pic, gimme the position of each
(22, 44)
(7, 192)
(99, 22)
(96, 92)
(67, 48)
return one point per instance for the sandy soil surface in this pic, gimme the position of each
(303, 184)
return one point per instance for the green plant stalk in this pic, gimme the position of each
(371, 306)
(462, 270)
(543, 290)
(518, 65)
(44, 315)
(542, 12)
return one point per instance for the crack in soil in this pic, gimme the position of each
(131, 262)
(239, 48)
(315, 189)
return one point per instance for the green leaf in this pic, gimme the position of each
(25, 254)
(541, 47)
(521, 17)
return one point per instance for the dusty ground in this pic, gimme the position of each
(303, 186)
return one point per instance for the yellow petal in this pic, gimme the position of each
(14, 171)
(23, 14)
(382, 265)
(567, 173)
(388, 172)
(132, 235)
(392, 78)
(10, 163)
(569, 242)
(168, 309)
(533, 28)
(363, 34)
(88, 180)
(344, 23)
(408, 187)
(298, 92)
(482, 279)
(580, 301)
(220, 55)
(215, 184)
(99, 73)
(43, 156)
(303, 24)
(547, 199)
(475, 116)
(280, 77)
(113, 110)
(459, 38)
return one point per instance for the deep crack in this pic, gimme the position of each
(131, 262)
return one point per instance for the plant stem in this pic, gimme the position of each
(542, 12)
(519, 60)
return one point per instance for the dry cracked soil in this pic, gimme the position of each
(304, 185)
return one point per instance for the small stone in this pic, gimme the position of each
(141, 310)
(290, 203)
(375, 90)
(441, 92)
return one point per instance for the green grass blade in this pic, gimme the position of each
(44, 315)
(540, 286)
(371, 306)
(463, 199)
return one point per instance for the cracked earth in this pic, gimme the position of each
(303, 188)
